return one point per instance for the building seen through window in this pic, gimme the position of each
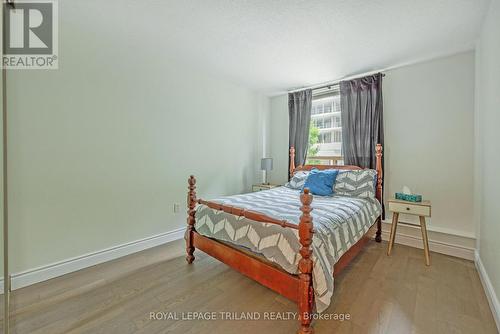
(325, 135)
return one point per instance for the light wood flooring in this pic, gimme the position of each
(396, 294)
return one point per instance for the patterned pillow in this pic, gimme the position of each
(356, 183)
(298, 180)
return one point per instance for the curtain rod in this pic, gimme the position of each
(334, 82)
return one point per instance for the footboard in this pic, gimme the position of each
(297, 288)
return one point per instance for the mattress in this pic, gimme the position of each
(339, 222)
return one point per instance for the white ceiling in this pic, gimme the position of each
(275, 45)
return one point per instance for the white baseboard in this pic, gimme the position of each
(489, 290)
(454, 245)
(40, 274)
(445, 243)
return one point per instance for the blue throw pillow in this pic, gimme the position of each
(320, 182)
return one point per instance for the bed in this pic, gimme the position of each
(270, 236)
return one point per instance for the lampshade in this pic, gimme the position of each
(266, 164)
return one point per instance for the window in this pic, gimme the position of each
(325, 138)
(325, 135)
(336, 122)
(336, 136)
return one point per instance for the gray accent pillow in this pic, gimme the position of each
(297, 181)
(356, 183)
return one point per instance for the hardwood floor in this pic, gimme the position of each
(396, 294)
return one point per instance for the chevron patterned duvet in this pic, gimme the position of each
(339, 222)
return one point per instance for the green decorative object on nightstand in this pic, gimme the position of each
(409, 197)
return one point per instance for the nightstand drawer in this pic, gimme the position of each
(410, 208)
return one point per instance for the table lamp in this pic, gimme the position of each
(266, 164)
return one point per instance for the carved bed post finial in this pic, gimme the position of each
(306, 292)
(380, 177)
(292, 161)
(191, 203)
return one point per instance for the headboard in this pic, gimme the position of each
(378, 154)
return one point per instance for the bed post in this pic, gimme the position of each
(191, 203)
(292, 162)
(380, 176)
(306, 292)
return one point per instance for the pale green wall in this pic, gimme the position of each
(487, 141)
(101, 148)
(279, 138)
(428, 123)
(1, 152)
(1, 176)
(429, 129)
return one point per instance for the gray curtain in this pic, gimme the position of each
(362, 119)
(299, 111)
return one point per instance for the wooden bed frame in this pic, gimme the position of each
(298, 288)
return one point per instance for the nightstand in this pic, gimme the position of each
(260, 187)
(421, 209)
